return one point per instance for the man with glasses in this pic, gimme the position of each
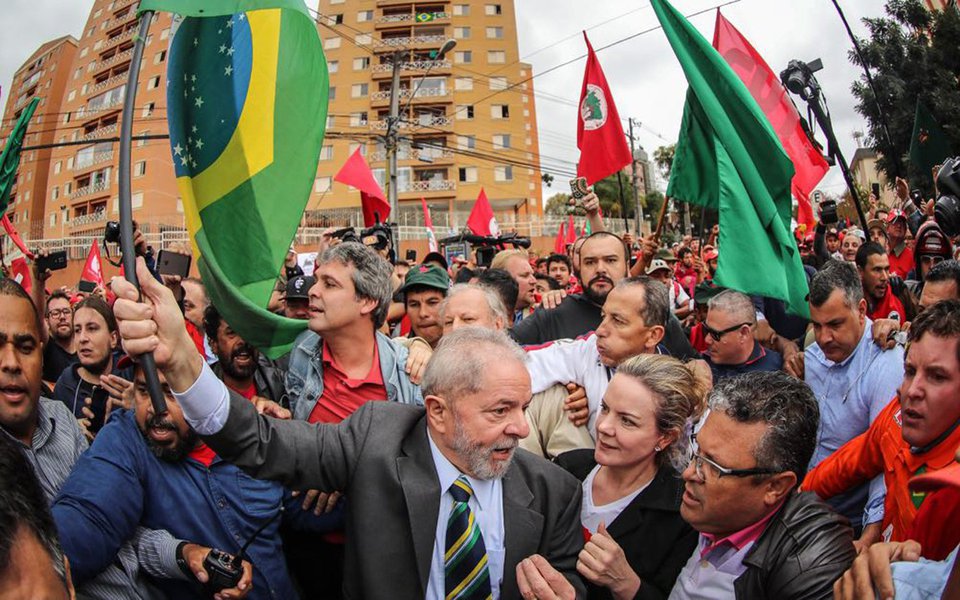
(759, 537)
(729, 332)
(853, 380)
(59, 351)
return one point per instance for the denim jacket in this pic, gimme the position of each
(305, 374)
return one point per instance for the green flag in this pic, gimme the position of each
(246, 107)
(10, 160)
(728, 158)
(929, 145)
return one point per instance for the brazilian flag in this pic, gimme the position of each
(246, 106)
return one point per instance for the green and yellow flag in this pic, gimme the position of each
(246, 105)
(10, 160)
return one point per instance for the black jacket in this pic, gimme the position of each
(268, 379)
(803, 551)
(655, 539)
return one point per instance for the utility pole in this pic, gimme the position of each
(636, 184)
(390, 143)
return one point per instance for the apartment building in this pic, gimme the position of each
(44, 74)
(466, 120)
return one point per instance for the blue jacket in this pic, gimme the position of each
(305, 374)
(65, 389)
(118, 484)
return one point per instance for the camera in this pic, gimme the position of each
(346, 234)
(828, 212)
(947, 209)
(223, 569)
(111, 233)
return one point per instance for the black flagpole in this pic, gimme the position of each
(128, 253)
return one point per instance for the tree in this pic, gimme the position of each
(912, 53)
(557, 204)
(547, 179)
(663, 158)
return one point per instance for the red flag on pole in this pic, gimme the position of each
(571, 230)
(357, 174)
(93, 269)
(766, 89)
(15, 236)
(560, 244)
(20, 272)
(603, 147)
(481, 220)
(428, 223)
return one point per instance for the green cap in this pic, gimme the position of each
(705, 291)
(430, 276)
(665, 254)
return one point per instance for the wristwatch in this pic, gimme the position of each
(182, 562)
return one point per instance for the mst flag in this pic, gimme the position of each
(929, 145)
(432, 245)
(356, 173)
(728, 157)
(603, 147)
(481, 220)
(10, 160)
(246, 106)
(766, 89)
(93, 268)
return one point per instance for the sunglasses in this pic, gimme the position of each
(717, 334)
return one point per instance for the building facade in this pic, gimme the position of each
(43, 75)
(466, 120)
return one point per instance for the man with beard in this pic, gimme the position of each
(95, 332)
(240, 365)
(882, 301)
(420, 479)
(151, 470)
(59, 351)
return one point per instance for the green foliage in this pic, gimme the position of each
(557, 204)
(663, 158)
(912, 53)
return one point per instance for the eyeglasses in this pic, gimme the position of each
(931, 260)
(59, 312)
(717, 334)
(698, 460)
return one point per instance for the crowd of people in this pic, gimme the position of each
(606, 423)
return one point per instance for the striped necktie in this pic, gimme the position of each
(466, 575)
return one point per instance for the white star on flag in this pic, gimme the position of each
(223, 48)
(199, 101)
(178, 149)
(230, 51)
(228, 70)
(199, 144)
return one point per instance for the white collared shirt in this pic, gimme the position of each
(487, 506)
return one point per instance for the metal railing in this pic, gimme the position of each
(399, 42)
(121, 77)
(118, 57)
(126, 35)
(100, 132)
(86, 111)
(430, 185)
(99, 216)
(405, 93)
(417, 65)
(88, 190)
(401, 18)
(435, 121)
(98, 158)
(407, 153)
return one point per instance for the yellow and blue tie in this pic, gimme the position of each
(466, 574)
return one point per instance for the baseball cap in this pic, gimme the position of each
(299, 287)
(430, 276)
(436, 257)
(657, 264)
(666, 255)
(895, 214)
(710, 254)
(877, 223)
(832, 231)
(705, 291)
(857, 232)
(946, 477)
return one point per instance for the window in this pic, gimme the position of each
(336, 1)
(463, 57)
(148, 110)
(500, 111)
(354, 146)
(78, 73)
(461, 10)
(468, 174)
(326, 153)
(165, 33)
(331, 43)
(336, 19)
(363, 39)
(140, 169)
(136, 200)
(57, 166)
(53, 219)
(153, 83)
(362, 63)
(466, 142)
(494, 33)
(333, 66)
(498, 83)
(358, 119)
(463, 83)
(496, 57)
(332, 93)
(84, 51)
(67, 188)
(464, 112)
(492, 10)
(501, 141)
(71, 95)
(461, 33)
(359, 90)
(55, 193)
(364, 15)
(504, 173)
(159, 57)
(321, 185)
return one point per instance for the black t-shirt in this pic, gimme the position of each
(55, 360)
(577, 316)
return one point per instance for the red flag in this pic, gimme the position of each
(93, 269)
(20, 272)
(15, 236)
(481, 220)
(765, 87)
(603, 147)
(428, 223)
(560, 244)
(571, 230)
(356, 173)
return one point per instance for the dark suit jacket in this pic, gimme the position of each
(380, 458)
(655, 539)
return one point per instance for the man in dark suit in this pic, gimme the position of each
(442, 503)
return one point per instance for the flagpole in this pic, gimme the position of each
(128, 253)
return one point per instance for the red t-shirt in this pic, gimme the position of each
(203, 455)
(903, 264)
(698, 338)
(342, 395)
(937, 524)
(888, 308)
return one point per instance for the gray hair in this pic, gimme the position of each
(656, 299)
(679, 399)
(472, 347)
(494, 303)
(735, 303)
(371, 275)
(836, 275)
(785, 404)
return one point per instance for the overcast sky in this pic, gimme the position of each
(643, 73)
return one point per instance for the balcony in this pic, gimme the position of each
(116, 58)
(430, 155)
(121, 4)
(126, 35)
(413, 69)
(89, 112)
(100, 132)
(106, 83)
(435, 17)
(97, 159)
(93, 218)
(381, 99)
(408, 42)
(89, 190)
(431, 185)
(433, 122)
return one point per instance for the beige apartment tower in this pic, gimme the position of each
(465, 122)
